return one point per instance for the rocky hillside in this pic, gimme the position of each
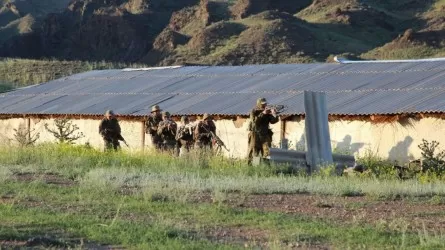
(231, 32)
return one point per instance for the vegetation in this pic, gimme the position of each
(75, 196)
(22, 72)
(65, 131)
(25, 136)
(208, 32)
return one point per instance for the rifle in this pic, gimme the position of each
(278, 108)
(120, 138)
(218, 141)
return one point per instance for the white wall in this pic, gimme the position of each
(131, 131)
(394, 141)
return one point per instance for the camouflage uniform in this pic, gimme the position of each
(110, 131)
(184, 136)
(203, 138)
(151, 126)
(167, 132)
(260, 135)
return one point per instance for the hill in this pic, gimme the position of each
(165, 32)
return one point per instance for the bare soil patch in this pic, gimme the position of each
(48, 178)
(52, 243)
(349, 209)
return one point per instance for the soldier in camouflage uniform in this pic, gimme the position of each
(203, 137)
(167, 132)
(260, 135)
(110, 131)
(184, 136)
(151, 126)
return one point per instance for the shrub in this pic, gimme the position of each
(65, 131)
(25, 136)
(432, 159)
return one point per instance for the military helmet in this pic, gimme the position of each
(261, 101)
(184, 118)
(109, 112)
(155, 108)
(206, 116)
(166, 113)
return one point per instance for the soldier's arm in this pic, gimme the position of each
(252, 119)
(101, 127)
(160, 128)
(147, 125)
(273, 119)
(174, 128)
(118, 128)
(196, 132)
(150, 125)
(213, 127)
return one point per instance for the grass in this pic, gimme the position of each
(403, 52)
(24, 72)
(141, 200)
(149, 171)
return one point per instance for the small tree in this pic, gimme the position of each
(431, 160)
(25, 136)
(65, 131)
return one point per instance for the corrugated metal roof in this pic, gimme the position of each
(352, 89)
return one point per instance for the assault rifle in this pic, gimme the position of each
(121, 138)
(218, 141)
(109, 133)
(278, 108)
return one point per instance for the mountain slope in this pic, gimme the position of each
(165, 32)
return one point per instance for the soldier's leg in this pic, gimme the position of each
(171, 145)
(116, 145)
(250, 149)
(267, 144)
(107, 145)
(266, 152)
(156, 142)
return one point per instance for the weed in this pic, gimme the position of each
(65, 131)
(25, 136)
(432, 160)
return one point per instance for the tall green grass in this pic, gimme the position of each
(150, 171)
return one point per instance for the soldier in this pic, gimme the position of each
(184, 136)
(202, 133)
(151, 126)
(167, 132)
(110, 131)
(260, 135)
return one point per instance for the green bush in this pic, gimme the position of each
(433, 159)
(376, 166)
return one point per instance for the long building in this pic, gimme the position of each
(386, 108)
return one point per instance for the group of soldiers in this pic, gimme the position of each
(166, 135)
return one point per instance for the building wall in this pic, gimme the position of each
(131, 131)
(7, 127)
(395, 141)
